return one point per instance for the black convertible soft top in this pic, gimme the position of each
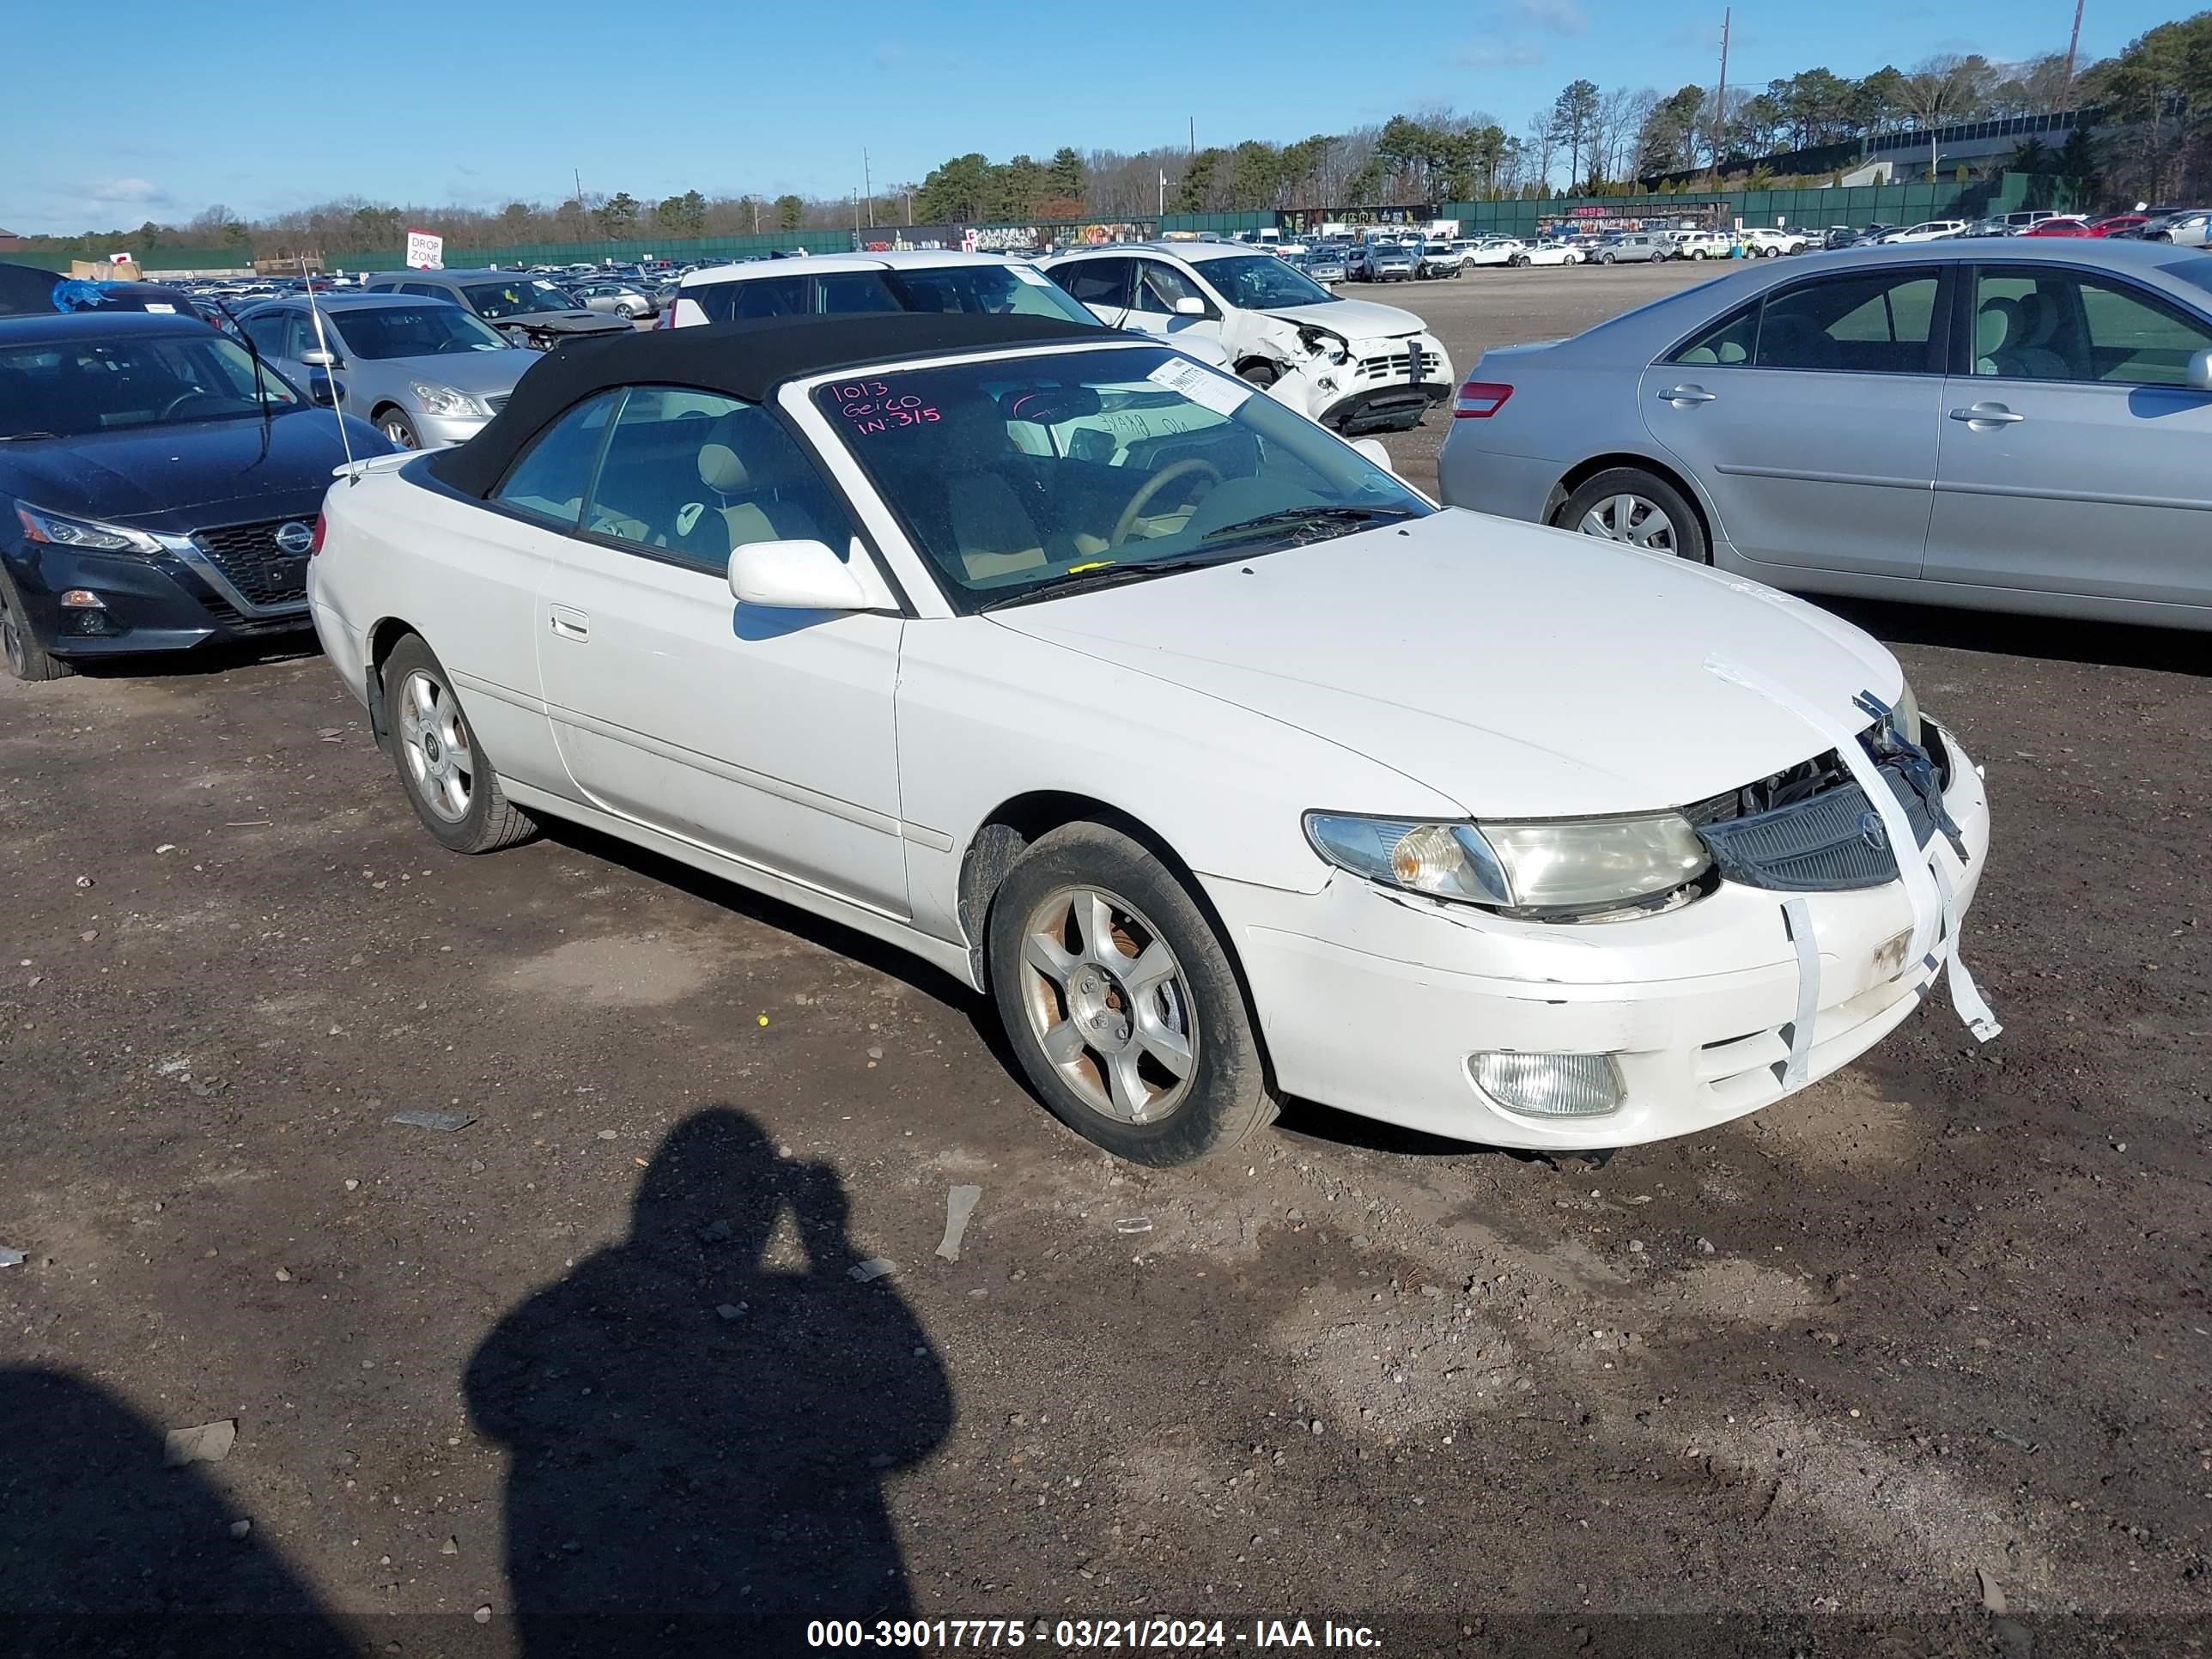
(739, 360)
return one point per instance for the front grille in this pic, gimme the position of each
(1831, 841)
(1407, 365)
(250, 559)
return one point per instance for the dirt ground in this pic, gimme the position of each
(1915, 1364)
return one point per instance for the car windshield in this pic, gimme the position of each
(68, 388)
(425, 331)
(1020, 478)
(1260, 282)
(500, 300)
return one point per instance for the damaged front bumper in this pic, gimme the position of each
(1382, 1002)
(1356, 387)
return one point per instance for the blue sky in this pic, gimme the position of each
(263, 108)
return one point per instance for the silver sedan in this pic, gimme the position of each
(2011, 426)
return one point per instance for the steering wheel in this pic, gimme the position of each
(196, 395)
(1152, 486)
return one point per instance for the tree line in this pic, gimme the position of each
(1586, 140)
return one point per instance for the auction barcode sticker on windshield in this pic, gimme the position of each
(1201, 385)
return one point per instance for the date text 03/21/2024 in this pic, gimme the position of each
(1086, 1635)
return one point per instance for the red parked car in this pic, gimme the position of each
(2112, 223)
(2060, 227)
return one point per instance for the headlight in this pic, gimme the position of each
(1560, 867)
(1335, 347)
(87, 534)
(443, 399)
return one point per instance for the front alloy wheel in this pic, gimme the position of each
(1120, 1003)
(1109, 1004)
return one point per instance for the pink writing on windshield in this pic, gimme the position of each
(872, 406)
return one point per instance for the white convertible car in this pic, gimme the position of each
(1227, 764)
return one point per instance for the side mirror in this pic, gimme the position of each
(1374, 450)
(323, 390)
(1190, 306)
(2200, 371)
(321, 360)
(795, 576)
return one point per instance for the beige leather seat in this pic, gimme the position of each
(749, 506)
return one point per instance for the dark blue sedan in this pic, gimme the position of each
(158, 488)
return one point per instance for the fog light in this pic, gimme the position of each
(90, 621)
(1549, 1085)
(82, 599)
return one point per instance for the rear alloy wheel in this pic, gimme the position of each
(1120, 1001)
(27, 659)
(394, 424)
(1627, 504)
(449, 783)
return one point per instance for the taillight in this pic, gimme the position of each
(1478, 400)
(315, 545)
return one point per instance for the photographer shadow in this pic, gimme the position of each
(699, 1441)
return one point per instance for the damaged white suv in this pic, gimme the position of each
(1351, 365)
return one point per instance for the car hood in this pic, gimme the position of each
(1523, 673)
(1355, 319)
(478, 373)
(173, 477)
(581, 320)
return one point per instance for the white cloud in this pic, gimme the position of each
(1499, 54)
(1559, 17)
(137, 192)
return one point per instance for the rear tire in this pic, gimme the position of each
(1638, 508)
(1120, 1003)
(447, 778)
(27, 659)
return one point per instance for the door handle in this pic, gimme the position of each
(570, 624)
(1682, 396)
(1987, 415)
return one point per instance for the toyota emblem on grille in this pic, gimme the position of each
(295, 538)
(1871, 832)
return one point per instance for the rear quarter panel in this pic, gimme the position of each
(463, 577)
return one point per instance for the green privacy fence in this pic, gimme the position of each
(1858, 205)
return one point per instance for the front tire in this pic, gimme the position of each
(1641, 509)
(1259, 374)
(27, 659)
(448, 780)
(1120, 1003)
(394, 425)
(1605, 258)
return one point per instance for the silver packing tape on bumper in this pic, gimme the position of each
(1924, 884)
(1966, 995)
(1797, 922)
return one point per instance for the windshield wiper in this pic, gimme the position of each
(10, 437)
(1319, 514)
(1104, 575)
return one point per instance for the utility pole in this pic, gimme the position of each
(1193, 135)
(1720, 100)
(579, 187)
(2072, 44)
(868, 183)
(910, 207)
